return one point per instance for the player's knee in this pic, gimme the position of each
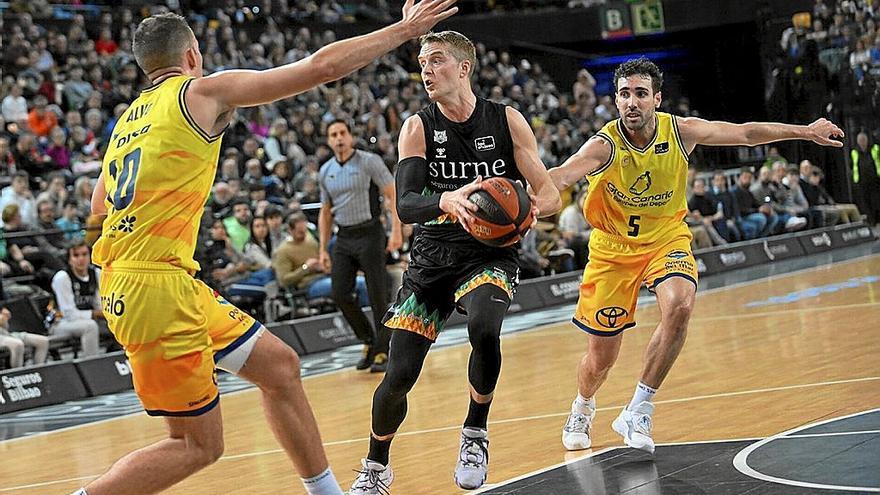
(679, 312)
(399, 381)
(288, 369)
(208, 452)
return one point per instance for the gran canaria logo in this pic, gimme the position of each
(642, 184)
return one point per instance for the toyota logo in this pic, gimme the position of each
(609, 316)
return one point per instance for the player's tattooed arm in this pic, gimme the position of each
(594, 154)
(696, 131)
(525, 151)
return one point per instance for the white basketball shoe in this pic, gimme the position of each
(576, 432)
(635, 426)
(372, 479)
(472, 467)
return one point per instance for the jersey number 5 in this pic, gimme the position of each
(125, 178)
(634, 225)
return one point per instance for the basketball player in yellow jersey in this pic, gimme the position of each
(637, 171)
(155, 179)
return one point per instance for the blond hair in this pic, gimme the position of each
(459, 45)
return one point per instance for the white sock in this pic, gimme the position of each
(584, 406)
(643, 393)
(322, 484)
(81, 491)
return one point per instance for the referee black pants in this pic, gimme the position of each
(362, 247)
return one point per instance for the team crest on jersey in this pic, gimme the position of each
(661, 148)
(485, 143)
(440, 136)
(642, 184)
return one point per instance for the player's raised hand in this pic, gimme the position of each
(422, 16)
(457, 203)
(821, 132)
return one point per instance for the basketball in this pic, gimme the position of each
(504, 214)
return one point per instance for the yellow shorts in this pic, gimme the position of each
(174, 329)
(617, 268)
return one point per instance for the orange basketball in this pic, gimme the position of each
(504, 214)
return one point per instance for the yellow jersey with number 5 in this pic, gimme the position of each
(158, 172)
(639, 193)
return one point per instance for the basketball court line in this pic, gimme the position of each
(740, 462)
(457, 427)
(648, 300)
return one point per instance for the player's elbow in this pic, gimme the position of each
(324, 68)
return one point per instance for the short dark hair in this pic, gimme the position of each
(640, 67)
(340, 121)
(160, 41)
(272, 211)
(296, 218)
(76, 245)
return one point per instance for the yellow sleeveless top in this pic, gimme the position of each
(158, 172)
(639, 193)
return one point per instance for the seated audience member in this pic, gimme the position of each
(19, 193)
(69, 222)
(31, 246)
(257, 258)
(575, 230)
(15, 342)
(766, 191)
(756, 219)
(842, 212)
(797, 203)
(238, 225)
(297, 267)
(727, 205)
(703, 209)
(78, 301)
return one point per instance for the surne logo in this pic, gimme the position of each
(466, 170)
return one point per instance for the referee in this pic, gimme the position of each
(351, 184)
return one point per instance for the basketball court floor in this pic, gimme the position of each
(777, 391)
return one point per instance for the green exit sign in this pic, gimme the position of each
(647, 17)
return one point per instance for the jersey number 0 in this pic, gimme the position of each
(125, 178)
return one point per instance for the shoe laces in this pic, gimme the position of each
(643, 424)
(370, 479)
(474, 451)
(577, 423)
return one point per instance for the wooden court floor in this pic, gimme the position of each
(745, 372)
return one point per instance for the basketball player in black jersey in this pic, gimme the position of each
(445, 151)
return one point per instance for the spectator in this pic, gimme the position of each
(58, 150)
(846, 213)
(866, 177)
(69, 222)
(727, 205)
(282, 176)
(56, 191)
(238, 225)
(105, 44)
(765, 191)
(703, 209)
(257, 259)
(221, 200)
(49, 241)
(575, 230)
(14, 106)
(82, 194)
(76, 90)
(29, 158)
(77, 300)
(531, 263)
(15, 342)
(40, 120)
(297, 266)
(756, 218)
(275, 221)
(19, 193)
(796, 202)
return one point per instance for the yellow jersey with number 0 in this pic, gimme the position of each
(639, 193)
(158, 172)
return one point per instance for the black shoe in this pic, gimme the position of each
(380, 363)
(366, 359)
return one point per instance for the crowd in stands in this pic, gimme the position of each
(66, 81)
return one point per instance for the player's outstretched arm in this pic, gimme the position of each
(245, 88)
(696, 131)
(525, 151)
(595, 153)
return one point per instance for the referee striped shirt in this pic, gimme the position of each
(353, 188)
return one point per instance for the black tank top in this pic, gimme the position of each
(84, 291)
(457, 152)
